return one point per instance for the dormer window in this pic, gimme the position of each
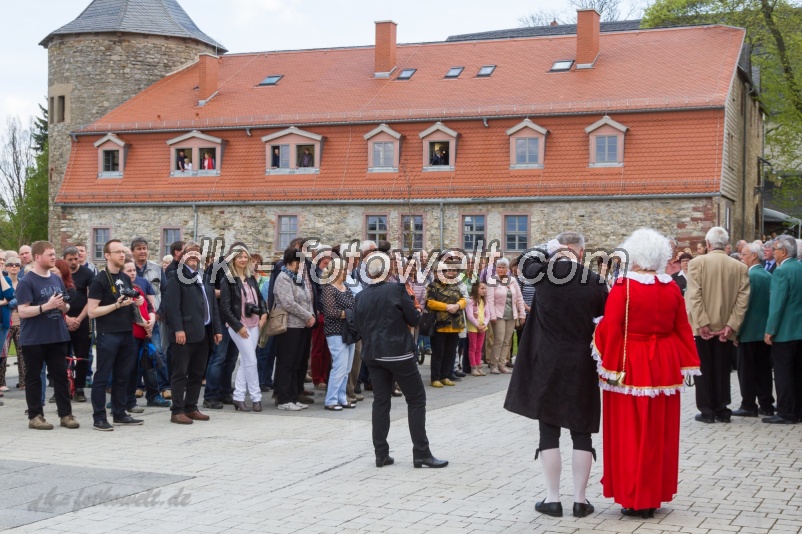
(527, 145)
(439, 148)
(293, 151)
(112, 152)
(196, 154)
(384, 146)
(606, 143)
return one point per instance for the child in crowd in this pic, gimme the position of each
(478, 320)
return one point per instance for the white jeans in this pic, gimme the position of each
(248, 373)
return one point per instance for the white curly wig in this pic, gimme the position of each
(647, 249)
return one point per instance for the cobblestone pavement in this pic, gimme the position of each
(313, 472)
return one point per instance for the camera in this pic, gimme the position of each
(129, 293)
(64, 296)
(251, 309)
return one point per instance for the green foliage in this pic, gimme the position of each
(773, 32)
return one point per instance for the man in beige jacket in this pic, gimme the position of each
(716, 298)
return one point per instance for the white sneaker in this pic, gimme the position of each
(301, 406)
(290, 406)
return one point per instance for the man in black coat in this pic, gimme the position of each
(194, 321)
(383, 315)
(555, 378)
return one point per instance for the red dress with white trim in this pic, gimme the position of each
(646, 335)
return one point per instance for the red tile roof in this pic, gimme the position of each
(665, 152)
(652, 69)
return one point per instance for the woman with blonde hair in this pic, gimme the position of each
(337, 300)
(243, 310)
(644, 348)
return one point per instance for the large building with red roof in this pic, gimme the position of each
(484, 137)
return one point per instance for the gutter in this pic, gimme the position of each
(373, 202)
(379, 120)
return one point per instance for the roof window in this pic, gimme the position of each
(562, 65)
(272, 79)
(486, 71)
(406, 74)
(454, 72)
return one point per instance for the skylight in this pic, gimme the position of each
(454, 72)
(562, 65)
(406, 74)
(272, 79)
(485, 71)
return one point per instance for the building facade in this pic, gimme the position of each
(435, 145)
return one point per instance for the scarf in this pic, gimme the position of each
(295, 277)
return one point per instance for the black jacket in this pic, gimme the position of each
(185, 309)
(231, 301)
(383, 314)
(681, 281)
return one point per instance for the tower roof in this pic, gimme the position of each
(149, 17)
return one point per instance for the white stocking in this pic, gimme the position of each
(580, 465)
(552, 464)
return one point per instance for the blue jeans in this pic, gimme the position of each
(116, 354)
(342, 357)
(221, 369)
(162, 376)
(424, 342)
(265, 361)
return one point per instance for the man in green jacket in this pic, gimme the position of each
(784, 331)
(754, 356)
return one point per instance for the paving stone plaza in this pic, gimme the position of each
(313, 472)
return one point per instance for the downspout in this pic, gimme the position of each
(743, 160)
(195, 225)
(441, 225)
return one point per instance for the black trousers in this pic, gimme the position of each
(444, 350)
(116, 354)
(713, 387)
(80, 341)
(55, 356)
(188, 366)
(787, 357)
(754, 376)
(550, 438)
(292, 355)
(406, 374)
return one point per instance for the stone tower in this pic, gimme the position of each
(111, 52)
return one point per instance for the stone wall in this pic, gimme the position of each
(97, 73)
(605, 223)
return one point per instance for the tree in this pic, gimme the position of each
(609, 10)
(23, 182)
(772, 32)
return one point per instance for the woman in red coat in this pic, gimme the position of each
(644, 348)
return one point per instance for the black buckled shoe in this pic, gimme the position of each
(553, 509)
(583, 509)
(432, 462)
(387, 460)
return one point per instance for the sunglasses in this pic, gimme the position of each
(13, 265)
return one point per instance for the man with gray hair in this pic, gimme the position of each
(754, 356)
(784, 331)
(716, 298)
(555, 378)
(768, 253)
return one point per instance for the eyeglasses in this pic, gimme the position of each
(13, 265)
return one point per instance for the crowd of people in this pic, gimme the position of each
(361, 316)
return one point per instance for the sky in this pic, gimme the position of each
(252, 25)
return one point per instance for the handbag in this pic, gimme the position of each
(426, 326)
(263, 336)
(350, 334)
(276, 322)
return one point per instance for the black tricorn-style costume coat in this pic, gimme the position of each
(555, 378)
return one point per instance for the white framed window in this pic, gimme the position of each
(111, 161)
(606, 149)
(412, 232)
(169, 236)
(527, 151)
(516, 233)
(473, 232)
(100, 236)
(383, 154)
(280, 156)
(376, 228)
(287, 230)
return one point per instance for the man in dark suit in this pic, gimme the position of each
(768, 252)
(784, 331)
(754, 356)
(680, 277)
(194, 321)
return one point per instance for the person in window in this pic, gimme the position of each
(275, 159)
(187, 164)
(437, 159)
(208, 162)
(180, 161)
(307, 159)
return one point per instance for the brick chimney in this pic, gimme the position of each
(587, 37)
(208, 68)
(385, 61)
